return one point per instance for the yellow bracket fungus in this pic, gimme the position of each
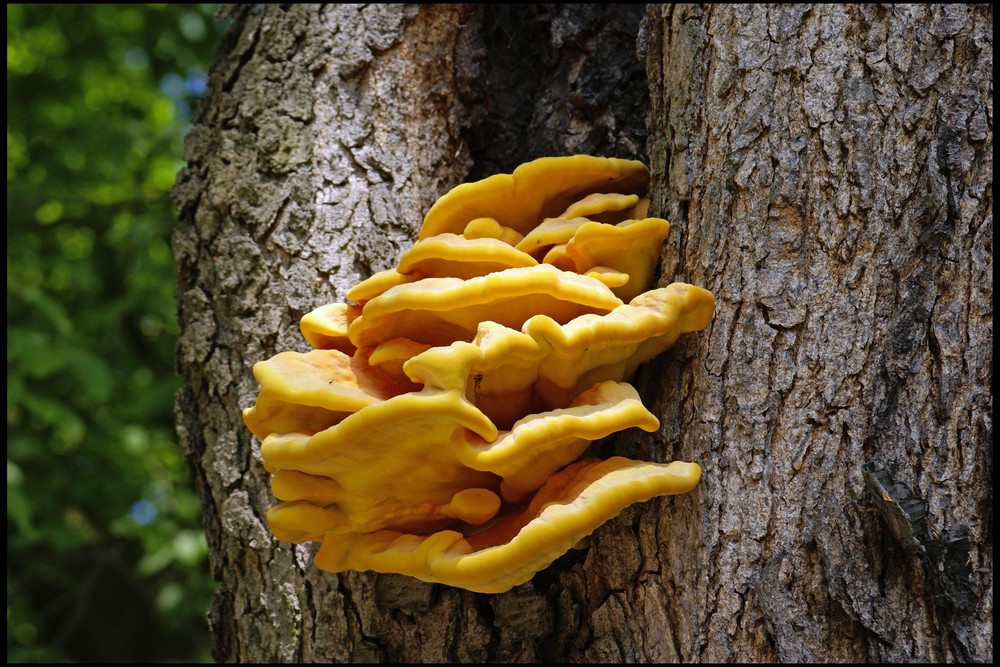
(326, 328)
(571, 505)
(436, 428)
(536, 190)
(450, 255)
(540, 444)
(439, 310)
(313, 391)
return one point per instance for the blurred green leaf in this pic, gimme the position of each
(99, 98)
(18, 505)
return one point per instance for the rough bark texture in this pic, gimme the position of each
(828, 174)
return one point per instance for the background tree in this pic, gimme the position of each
(106, 560)
(828, 173)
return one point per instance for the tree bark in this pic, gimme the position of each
(827, 171)
(829, 174)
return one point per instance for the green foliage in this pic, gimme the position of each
(106, 558)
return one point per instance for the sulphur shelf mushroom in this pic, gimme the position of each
(479, 370)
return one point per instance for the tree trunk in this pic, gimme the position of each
(827, 171)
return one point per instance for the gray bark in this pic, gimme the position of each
(829, 174)
(827, 171)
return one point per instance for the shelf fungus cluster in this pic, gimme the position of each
(436, 428)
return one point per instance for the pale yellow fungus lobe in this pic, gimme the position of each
(312, 391)
(390, 356)
(630, 247)
(534, 191)
(595, 348)
(496, 372)
(540, 444)
(378, 283)
(552, 232)
(393, 463)
(437, 311)
(326, 327)
(436, 429)
(571, 505)
(454, 256)
(608, 276)
(488, 228)
(605, 207)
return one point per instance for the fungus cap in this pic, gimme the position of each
(378, 283)
(326, 327)
(607, 207)
(534, 191)
(409, 437)
(318, 388)
(570, 506)
(438, 311)
(593, 348)
(631, 247)
(540, 444)
(455, 256)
